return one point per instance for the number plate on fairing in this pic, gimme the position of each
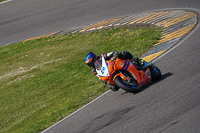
(148, 74)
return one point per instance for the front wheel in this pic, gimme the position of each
(134, 87)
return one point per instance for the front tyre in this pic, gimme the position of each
(127, 87)
(155, 73)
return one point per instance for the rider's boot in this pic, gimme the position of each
(113, 87)
(138, 63)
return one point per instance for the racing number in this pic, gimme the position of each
(148, 74)
(103, 70)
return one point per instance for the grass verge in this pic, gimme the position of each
(2, 0)
(44, 80)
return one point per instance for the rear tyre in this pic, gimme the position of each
(155, 73)
(127, 87)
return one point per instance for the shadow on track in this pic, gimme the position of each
(164, 76)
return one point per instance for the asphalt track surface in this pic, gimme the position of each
(169, 105)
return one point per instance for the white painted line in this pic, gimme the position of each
(76, 111)
(5, 1)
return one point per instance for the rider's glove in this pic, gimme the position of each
(94, 71)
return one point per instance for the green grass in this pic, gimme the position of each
(44, 80)
(2, 0)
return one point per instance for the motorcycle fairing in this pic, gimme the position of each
(107, 68)
(103, 71)
(139, 75)
(146, 77)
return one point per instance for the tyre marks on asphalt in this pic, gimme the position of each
(175, 24)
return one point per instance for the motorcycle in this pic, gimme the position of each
(125, 74)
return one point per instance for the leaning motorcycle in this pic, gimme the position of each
(125, 75)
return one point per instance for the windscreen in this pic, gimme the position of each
(98, 64)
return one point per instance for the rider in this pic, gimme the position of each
(90, 59)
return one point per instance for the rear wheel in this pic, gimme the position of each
(129, 87)
(155, 73)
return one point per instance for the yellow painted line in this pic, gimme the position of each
(106, 23)
(142, 18)
(175, 34)
(102, 23)
(153, 56)
(156, 15)
(150, 17)
(176, 20)
(47, 35)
